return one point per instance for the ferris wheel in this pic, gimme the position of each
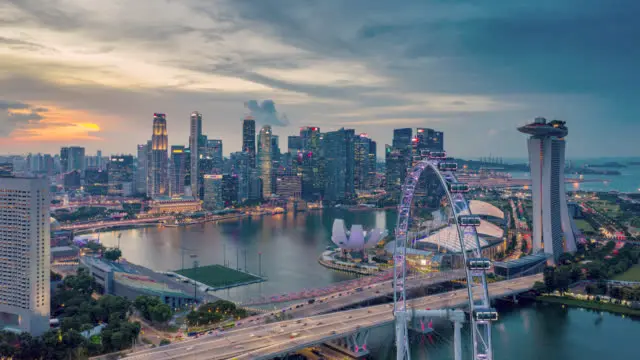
(475, 265)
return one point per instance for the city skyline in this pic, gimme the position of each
(78, 76)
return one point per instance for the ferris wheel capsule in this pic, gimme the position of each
(448, 166)
(459, 187)
(469, 220)
(485, 314)
(437, 155)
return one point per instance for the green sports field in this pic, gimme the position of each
(217, 275)
(633, 274)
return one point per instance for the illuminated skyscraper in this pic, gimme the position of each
(158, 174)
(178, 169)
(339, 172)
(249, 139)
(551, 224)
(195, 135)
(265, 159)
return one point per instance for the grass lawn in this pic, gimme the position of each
(614, 308)
(216, 275)
(633, 274)
(584, 226)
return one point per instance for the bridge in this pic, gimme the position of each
(265, 341)
(114, 223)
(351, 297)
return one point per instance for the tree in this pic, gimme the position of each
(112, 254)
(160, 313)
(562, 280)
(164, 342)
(539, 287)
(549, 276)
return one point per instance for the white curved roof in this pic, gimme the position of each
(448, 237)
(489, 230)
(357, 238)
(484, 208)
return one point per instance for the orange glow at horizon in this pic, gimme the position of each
(58, 125)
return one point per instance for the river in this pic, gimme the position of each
(290, 245)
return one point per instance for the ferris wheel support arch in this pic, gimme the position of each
(476, 280)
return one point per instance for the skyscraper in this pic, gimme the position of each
(120, 175)
(363, 163)
(249, 139)
(141, 169)
(214, 152)
(311, 162)
(339, 171)
(25, 248)
(64, 159)
(552, 231)
(195, 133)
(213, 192)
(71, 158)
(294, 144)
(158, 174)
(241, 167)
(265, 159)
(178, 169)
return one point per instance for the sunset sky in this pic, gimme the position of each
(92, 73)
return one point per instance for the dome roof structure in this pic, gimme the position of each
(356, 238)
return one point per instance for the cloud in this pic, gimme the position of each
(18, 114)
(373, 64)
(265, 113)
(9, 105)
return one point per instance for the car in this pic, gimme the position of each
(316, 352)
(319, 323)
(189, 348)
(333, 332)
(349, 317)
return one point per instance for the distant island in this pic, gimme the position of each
(611, 164)
(633, 163)
(588, 171)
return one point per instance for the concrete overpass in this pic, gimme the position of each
(265, 341)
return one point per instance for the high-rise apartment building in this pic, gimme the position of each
(64, 159)
(265, 160)
(195, 134)
(339, 171)
(178, 169)
(158, 172)
(24, 254)
(249, 139)
(72, 158)
(552, 230)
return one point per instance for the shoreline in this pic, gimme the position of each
(592, 305)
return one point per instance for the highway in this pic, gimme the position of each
(340, 300)
(265, 341)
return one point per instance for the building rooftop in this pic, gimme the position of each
(523, 261)
(448, 239)
(540, 127)
(478, 207)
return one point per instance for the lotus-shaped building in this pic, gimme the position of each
(356, 238)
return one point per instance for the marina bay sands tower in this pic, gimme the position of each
(552, 231)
